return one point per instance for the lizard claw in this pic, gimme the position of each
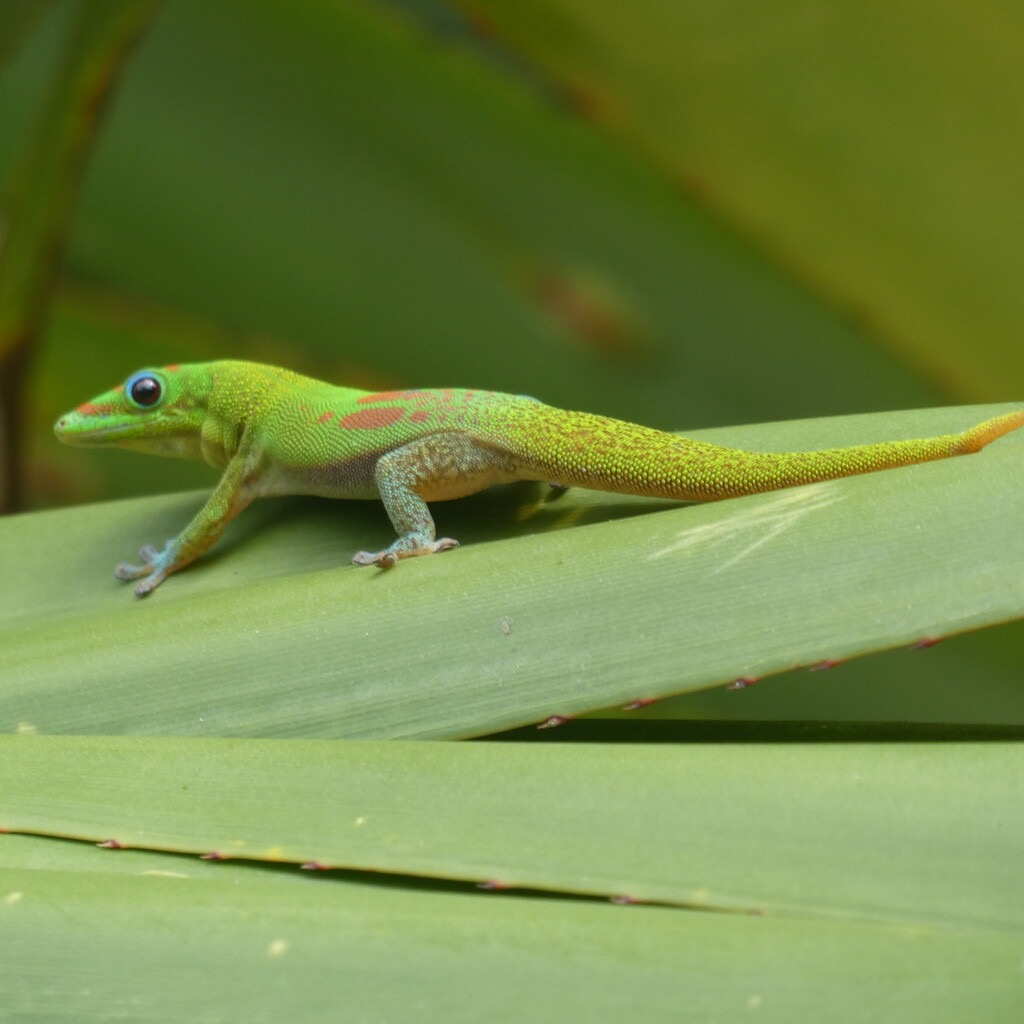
(383, 559)
(389, 557)
(152, 577)
(365, 558)
(150, 583)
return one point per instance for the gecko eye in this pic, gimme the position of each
(144, 390)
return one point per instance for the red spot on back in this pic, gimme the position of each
(371, 419)
(385, 396)
(419, 416)
(326, 417)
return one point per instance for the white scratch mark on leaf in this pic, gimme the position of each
(762, 523)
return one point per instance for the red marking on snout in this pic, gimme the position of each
(327, 416)
(91, 408)
(418, 416)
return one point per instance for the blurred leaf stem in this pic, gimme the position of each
(40, 197)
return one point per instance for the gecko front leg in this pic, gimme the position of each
(231, 495)
(433, 468)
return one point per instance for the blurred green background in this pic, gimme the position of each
(408, 194)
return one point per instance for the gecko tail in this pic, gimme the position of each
(977, 437)
(583, 450)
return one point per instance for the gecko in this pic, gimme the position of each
(276, 432)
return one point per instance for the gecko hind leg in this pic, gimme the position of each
(432, 468)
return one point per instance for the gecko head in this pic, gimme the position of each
(158, 411)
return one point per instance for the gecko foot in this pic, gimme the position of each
(149, 555)
(151, 573)
(402, 548)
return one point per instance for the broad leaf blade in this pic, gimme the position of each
(831, 824)
(87, 943)
(281, 637)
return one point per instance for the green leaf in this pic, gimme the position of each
(98, 941)
(279, 636)
(659, 823)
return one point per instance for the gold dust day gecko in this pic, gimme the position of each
(276, 432)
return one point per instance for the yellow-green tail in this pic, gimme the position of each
(583, 450)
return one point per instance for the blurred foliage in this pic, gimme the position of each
(868, 148)
(690, 215)
(40, 198)
(395, 209)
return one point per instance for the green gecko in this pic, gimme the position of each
(276, 432)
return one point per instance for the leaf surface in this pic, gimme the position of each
(279, 636)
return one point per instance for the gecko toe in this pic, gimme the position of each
(382, 559)
(148, 585)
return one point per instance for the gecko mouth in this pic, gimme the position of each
(67, 430)
(131, 434)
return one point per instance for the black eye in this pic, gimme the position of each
(144, 390)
